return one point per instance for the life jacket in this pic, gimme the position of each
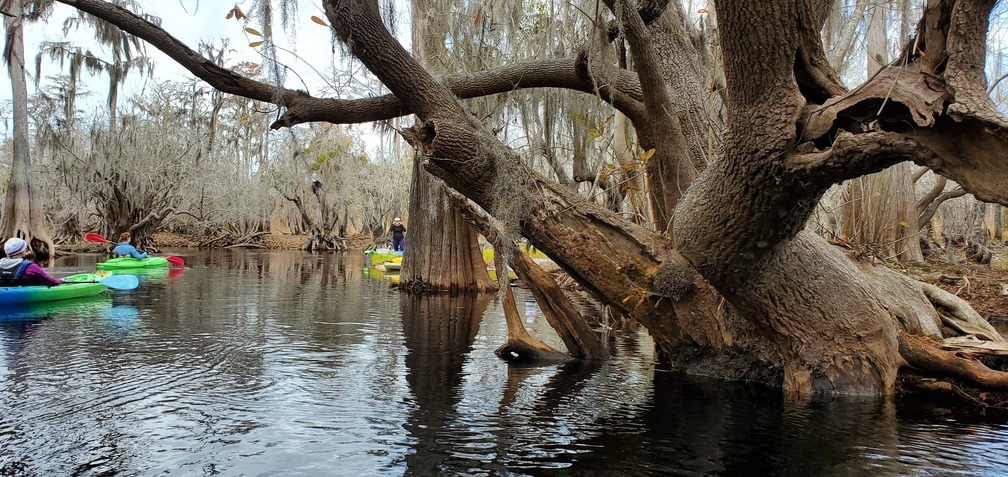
(10, 276)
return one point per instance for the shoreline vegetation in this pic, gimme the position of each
(986, 287)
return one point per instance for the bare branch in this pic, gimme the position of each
(995, 83)
(926, 214)
(933, 194)
(659, 103)
(623, 91)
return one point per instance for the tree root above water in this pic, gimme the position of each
(928, 355)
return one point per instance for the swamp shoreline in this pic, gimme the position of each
(985, 287)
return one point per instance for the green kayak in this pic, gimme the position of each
(122, 263)
(376, 256)
(74, 286)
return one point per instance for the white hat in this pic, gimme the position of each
(397, 219)
(14, 246)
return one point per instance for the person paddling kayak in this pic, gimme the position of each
(126, 249)
(16, 270)
(398, 231)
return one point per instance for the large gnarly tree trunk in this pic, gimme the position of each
(763, 189)
(23, 214)
(788, 309)
(772, 272)
(442, 252)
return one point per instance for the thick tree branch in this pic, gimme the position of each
(750, 77)
(972, 152)
(622, 91)
(659, 103)
(967, 48)
(816, 78)
(855, 155)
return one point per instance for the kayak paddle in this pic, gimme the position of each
(116, 282)
(93, 237)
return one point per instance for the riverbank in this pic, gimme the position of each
(985, 287)
(269, 241)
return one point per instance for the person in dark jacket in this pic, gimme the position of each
(126, 249)
(398, 231)
(15, 270)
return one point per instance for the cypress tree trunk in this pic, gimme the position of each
(442, 251)
(23, 214)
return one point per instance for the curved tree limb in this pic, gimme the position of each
(855, 155)
(623, 91)
(932, 194)
(928, 205)
(816, 78)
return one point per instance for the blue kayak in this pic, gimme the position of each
(74, 286)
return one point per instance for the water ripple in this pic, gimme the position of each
(290, 364)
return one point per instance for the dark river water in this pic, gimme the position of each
(283, 363)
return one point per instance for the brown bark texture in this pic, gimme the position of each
(23, 214)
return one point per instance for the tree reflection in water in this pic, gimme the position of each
(439, 332)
